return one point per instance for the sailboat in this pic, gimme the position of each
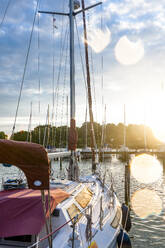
(75, 212)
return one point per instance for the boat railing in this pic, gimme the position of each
(73, 220)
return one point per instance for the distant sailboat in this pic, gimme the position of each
(124, 156)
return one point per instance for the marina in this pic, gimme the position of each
(74, 211)
(145, 233)
(73, 172)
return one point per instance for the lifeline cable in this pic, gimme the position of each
(50, 234)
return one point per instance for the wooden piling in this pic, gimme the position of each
(60, 163)
(127, 184)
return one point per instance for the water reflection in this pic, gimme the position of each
(146, 202)
(146, 168)
(146, 232)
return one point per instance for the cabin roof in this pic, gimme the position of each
(22, 211)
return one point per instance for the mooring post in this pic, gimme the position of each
(60, 163)
(163, 161)
(127, 183)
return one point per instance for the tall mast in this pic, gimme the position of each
(72, 65)
(124, 127)
(93, 141)
(72, 141)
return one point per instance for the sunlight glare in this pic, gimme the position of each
(128, 52)
(159, 132)
(146, 202)
(99, 39)
(146, 168)
(157, 119)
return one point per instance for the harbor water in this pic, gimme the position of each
(147, 231)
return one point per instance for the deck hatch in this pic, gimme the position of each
(84, 197)
(73, 210)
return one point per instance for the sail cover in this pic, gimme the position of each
(31, 158)
(21, 211)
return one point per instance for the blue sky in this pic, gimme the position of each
(131, 41)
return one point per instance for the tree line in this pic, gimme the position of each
(113, 136)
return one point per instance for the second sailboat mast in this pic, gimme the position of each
(93, 141)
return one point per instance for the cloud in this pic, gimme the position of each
(142, 22)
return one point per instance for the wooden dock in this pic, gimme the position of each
(106, 154)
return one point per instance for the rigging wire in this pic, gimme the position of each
(64, 86)
(58, 73)
(67, 122)
(58, 78)
(102, 78)
(46, 125)
(81, 57)
(93, 84)
(102, 86)
(53, 78)
(85, 83)
(25, 66)
(62, 42)
(48, 128)
(29, 126)
(103, 110)
(39, 81)
(86, 124)
(3, 18)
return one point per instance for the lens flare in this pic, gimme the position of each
(146, 202)
(99, 39)
(127, 52)
(146, 168)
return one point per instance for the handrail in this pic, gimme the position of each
(75, 218)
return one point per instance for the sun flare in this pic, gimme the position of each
(146, 202)
(99, 39)
(128, 52)
(146, 168)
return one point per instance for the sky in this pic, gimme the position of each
(126, 52)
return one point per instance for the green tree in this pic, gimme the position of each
(3, 135)
(114, 136)
(20, 136)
